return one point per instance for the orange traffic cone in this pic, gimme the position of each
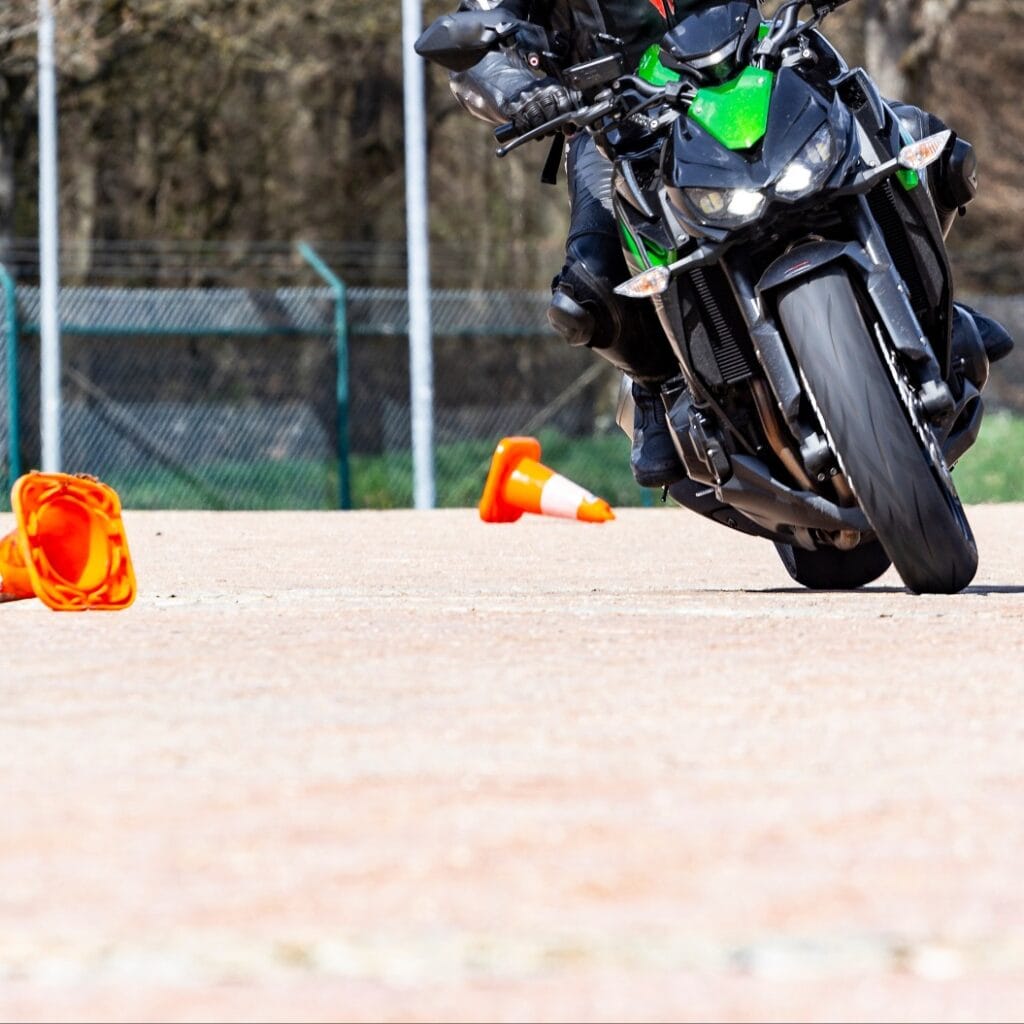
(69, 547)
(518, 483)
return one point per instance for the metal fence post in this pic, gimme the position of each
(337, 286)
(11, 343)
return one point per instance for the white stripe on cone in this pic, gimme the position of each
(561, 497)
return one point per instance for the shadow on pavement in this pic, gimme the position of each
(982, 590)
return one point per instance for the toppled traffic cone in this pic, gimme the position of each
(518, 483)
(69, 547)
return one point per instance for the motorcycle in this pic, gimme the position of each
(780, 218)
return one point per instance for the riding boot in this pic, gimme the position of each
(996, 339)
(654, 459)
(631, 339)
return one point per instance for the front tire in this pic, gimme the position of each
(900, 481)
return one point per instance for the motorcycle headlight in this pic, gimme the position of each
(726, 207)
(810, 167)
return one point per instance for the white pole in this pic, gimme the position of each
(49, 268)
(421, 360)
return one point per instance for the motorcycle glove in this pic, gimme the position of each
(539, 104)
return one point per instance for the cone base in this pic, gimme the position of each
(597, 511)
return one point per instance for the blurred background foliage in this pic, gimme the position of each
(247, 125)
(257, 120)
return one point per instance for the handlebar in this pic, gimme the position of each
(582, 117)
(586, 116)
(505, 133)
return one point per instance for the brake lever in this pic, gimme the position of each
(581, 118)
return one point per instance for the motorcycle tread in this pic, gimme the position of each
(909, 501)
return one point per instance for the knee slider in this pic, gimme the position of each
(583, 308)
(570, 319)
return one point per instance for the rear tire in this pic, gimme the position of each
(885, 449)
(832, 569)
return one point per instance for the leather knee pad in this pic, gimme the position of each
(586, 311)
(968, 347)
(600, 324)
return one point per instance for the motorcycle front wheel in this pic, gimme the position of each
(881, 443)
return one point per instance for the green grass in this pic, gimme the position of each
(992, 471)
(601, 464)
(219, 485)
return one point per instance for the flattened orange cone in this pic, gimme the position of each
(14, 579)
(518, 483)
(69, 547)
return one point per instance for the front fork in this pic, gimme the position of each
(869, 261)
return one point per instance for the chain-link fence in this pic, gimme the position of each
(213, 398)
(498, 371)
(299, 397)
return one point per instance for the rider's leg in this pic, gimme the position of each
(586, 311)
(953, 183)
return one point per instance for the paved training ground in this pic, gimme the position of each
(411, 766)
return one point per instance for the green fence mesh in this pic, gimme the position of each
(232, 398)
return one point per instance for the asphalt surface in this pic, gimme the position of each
(412, 766)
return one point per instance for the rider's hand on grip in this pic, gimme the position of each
(539, 104)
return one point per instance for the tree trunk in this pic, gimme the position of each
(904, 40)
(79, 204)
(888, 34)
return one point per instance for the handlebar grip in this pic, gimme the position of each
(505, 133)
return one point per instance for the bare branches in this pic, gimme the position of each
(10, 34)
(934, 33)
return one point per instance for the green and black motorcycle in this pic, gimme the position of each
(779, 217)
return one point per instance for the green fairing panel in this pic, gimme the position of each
(657, 256)
(643, 254)
(908, 177)
(736, 113)
(652, 70)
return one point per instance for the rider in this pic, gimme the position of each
(584, 309)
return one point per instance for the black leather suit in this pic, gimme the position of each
(626, 333)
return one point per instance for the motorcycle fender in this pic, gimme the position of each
(885, 289)
(809, 258)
